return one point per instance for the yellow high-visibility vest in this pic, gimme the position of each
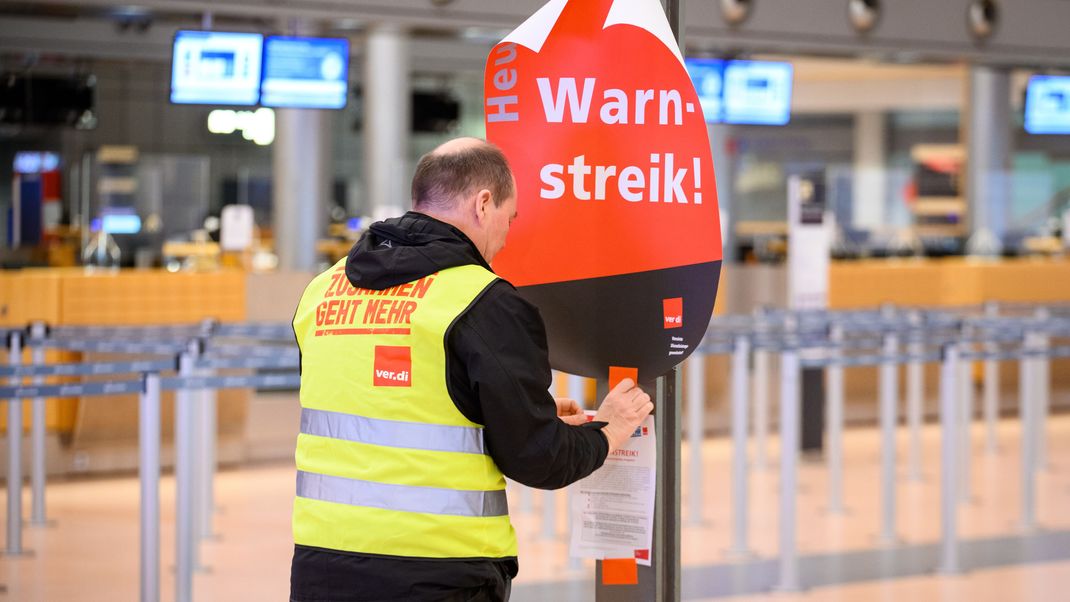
(386, 464)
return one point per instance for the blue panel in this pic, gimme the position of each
(305, 72)
(1047, 105)
(216, 67)
(757, 92)
(742, 92)
(708, 77)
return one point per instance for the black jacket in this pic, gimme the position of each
(498, 374)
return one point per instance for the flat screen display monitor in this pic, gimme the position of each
(216, 68)
(301, 72)
(1047, 104)
(742, 92)
(757, 92)
(708, 75)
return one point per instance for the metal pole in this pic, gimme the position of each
(761, 400)
(208, 419)
(966, 417)
(740, 516)
(1026, 375)
(835, 418)
(789, 458)
(696, 409)
(666, 542)
(915, 396)
(991, 386)
(949, 444)
(1042, 390)
(575, 391)
(14, 454)
(37, 435)
(149, 472)
(185, 458)
(888, 397)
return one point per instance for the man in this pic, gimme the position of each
(424, 381)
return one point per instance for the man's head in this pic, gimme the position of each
(467, 183)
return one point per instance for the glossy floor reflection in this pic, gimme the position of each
(91, 552)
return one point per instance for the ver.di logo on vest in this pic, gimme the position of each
(393, 366)
(674, 312)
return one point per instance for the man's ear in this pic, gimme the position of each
(484, 199)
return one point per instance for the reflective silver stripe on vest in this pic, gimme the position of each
(392, 433)
(407, 498)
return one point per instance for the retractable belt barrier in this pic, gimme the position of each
(187, 356)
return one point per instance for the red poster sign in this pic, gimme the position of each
(617, 239)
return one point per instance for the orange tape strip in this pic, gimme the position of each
(620, 571)
(618, 373)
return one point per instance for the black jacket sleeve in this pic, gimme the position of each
(498, 373)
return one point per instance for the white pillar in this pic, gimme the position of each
(988, 184)
(300, 185)
(386, 121)
(870, 181)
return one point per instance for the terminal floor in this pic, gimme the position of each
(90, 553)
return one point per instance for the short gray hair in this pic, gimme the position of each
(442, 177)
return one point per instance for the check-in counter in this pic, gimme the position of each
(102, 431)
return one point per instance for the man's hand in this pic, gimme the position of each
(569, 411)
(623, 409)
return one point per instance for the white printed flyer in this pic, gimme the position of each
(613, 508)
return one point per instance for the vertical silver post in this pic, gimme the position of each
(915, 395)
(1042, 390)
(185, 457)
(761, 399)
(789, 458)
(991, 385)
(1027, 402)
(740, 518)
(888, 395)
(576, 391)
(966, 418)
(834, 420)
(14, 454)
(37, 434)
(696, 409)
(949, 445)
(149, 472)
(208, 419)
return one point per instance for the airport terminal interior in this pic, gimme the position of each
(879, 408)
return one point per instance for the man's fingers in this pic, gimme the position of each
(624, 385)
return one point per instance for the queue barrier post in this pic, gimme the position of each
(965, 385)
(1028, 409)
(789, 459)
(834, 379)
(38, 331)
(761, 397)
(149, 475)
(991, 385)
(1042, 392)
(888, 396)
(740, 355)
(949, 448)
(696, 408)
(915, 396)
(14, 454)
(185, 458)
